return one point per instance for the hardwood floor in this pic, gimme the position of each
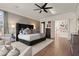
(60, 47)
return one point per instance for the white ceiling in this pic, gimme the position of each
(27, 9)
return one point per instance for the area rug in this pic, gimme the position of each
(38, 47)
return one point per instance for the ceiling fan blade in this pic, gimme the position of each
(48, 7)
(40, 11)
(45, 10)
(37, 5)
(44, 5)
(37, 9)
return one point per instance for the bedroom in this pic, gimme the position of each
(9, 26)
(12, 24)
(30, 30)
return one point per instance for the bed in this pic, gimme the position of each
(28, 39)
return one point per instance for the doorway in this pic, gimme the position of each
(42, 27)
(62, 28)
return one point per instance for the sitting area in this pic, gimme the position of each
(10, 47)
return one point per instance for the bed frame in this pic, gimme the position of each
(30, 43)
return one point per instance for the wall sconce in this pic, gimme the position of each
(13, 26)
(34, 26)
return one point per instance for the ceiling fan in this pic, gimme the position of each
(43, 8)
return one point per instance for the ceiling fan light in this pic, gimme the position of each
(52, 11)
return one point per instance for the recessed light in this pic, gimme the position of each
(16, 6)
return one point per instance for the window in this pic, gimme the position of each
(1, 22)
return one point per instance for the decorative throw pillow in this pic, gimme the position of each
(27, 31)
(14, 52)
(2, 42)
(21, 31)
(9, 47)
(4, 51)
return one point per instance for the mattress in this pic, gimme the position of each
(30, 37)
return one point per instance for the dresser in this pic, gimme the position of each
(75, 44)
(48, 33)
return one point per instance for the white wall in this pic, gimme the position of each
(71, 16)
(13, 19)
(77, 16)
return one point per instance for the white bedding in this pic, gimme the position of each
(30, 37)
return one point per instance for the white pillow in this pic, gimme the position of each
(14, 52)
(27, 31)
(2, 42)
(4, 51)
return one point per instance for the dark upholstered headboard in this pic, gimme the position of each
(19, 26)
